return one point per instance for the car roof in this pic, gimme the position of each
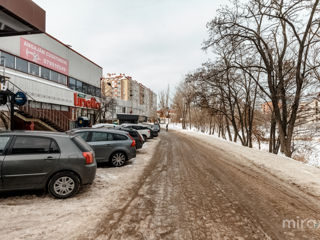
(103, 124)
(34, 133)
(99, 130)
(125, 128)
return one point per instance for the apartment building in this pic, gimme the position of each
(132, 97)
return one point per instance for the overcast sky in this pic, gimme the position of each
(156, 42)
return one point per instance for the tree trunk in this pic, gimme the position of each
(272, 137)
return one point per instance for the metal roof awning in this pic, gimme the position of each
(128, 117)
(20, 17)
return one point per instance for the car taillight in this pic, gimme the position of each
(148, 131)
(88, 156)
(133, 144)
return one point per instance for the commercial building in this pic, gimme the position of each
(132, 97)
(19, 17)
(60, 83)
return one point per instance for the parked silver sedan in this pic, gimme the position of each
(112, 146)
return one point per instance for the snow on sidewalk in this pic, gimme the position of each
(306, 177)
(42, 217)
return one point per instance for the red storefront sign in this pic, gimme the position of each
(43, 57)
(81, 102)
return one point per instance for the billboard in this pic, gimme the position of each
(43, 57)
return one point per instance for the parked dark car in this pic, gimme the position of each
(153, 129)
(57, 162)
(112, 146)
(154, 132)
(144, 130)
(134, 134)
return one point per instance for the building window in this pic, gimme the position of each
(21, 65)
(85, 88)
(8, 60)
(72, 83)
(33, 69)
(54, 76)
(98, 92)
(46, 106)
(55, 107)
(79, 86)
(64, 108)
(45, 73)
(123, 109)
(62, 79)
(91, 90)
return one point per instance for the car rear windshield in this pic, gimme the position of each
(81, 144)
(133, 134)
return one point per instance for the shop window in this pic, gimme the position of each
(46, 106)
(79, 86)
(45, 73)
(91, 90)
(54, 76)
(85, 88)
(64, 108)
(8, 60)
(62, 79)
(55, 107)
(35, 104)
(72, 83)
(21, 65)
(98, 92)
(34, 69)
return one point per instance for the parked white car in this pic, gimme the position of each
(104, 125)
(145, 132)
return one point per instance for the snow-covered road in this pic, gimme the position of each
(198, 187)
(33, 215)
(182, 185)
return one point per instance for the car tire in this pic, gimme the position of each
(63, 185)
(118, 159)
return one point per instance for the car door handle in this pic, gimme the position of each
(50, 158)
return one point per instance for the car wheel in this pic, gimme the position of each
(118, 159)
(145, 138)
(64, 185)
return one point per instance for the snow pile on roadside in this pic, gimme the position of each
(306, 177)
(42, 217)
(310, 150)
(305, 151)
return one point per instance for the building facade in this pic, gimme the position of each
(61, 84)
(132, 97)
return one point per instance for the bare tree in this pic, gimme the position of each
(108, 105)
(164, 98)
(285, 36)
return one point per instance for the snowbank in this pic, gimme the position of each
(305, 151)
(28, 216)
(306, 177)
